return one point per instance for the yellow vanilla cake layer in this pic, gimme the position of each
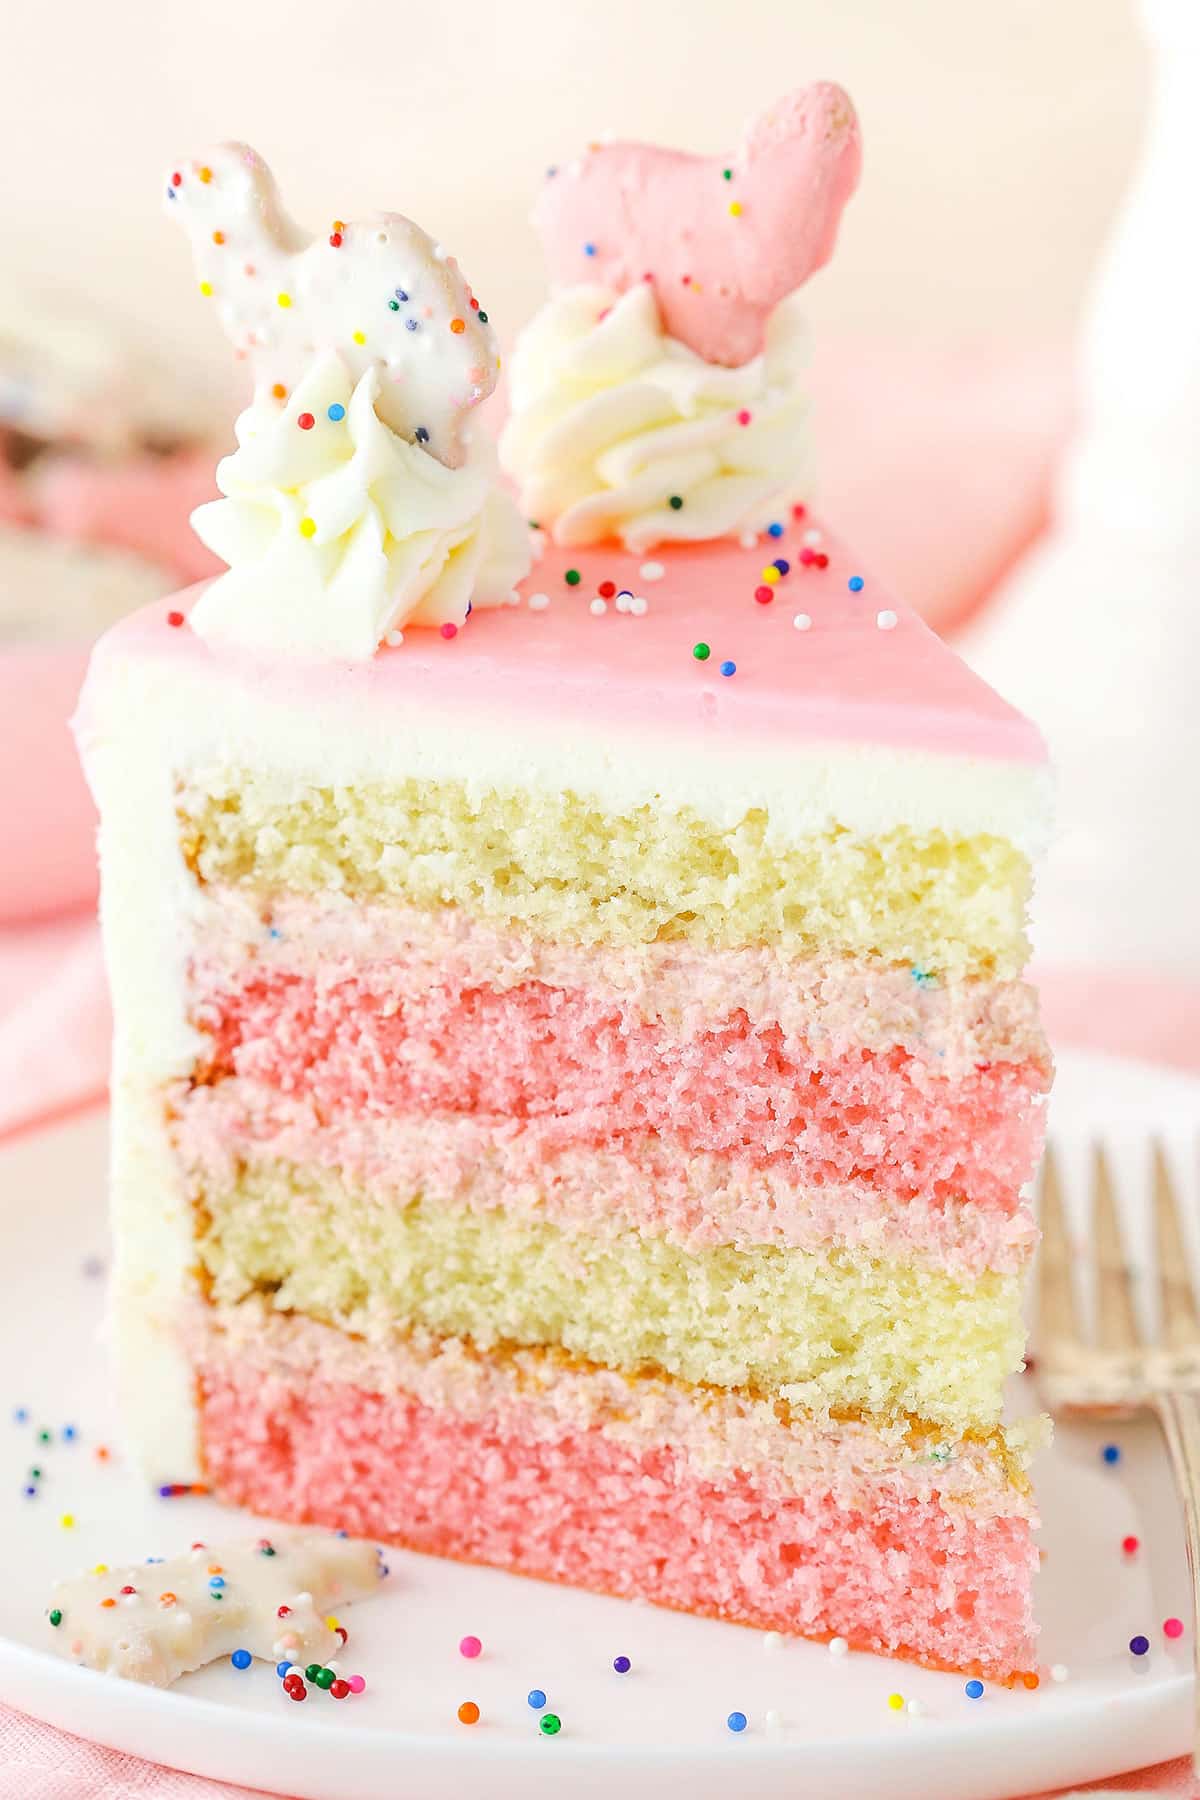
(564, 868)
(820, 1330)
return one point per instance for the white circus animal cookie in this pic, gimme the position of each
(155, 1621)
(379, 292)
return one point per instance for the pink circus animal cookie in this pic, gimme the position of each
(378, 292)
(723, 240)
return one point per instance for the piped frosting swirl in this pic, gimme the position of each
(619, 430)
(338, 531)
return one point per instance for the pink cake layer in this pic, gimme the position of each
(627, 1513)
(585, 1069)
(650, 1184)
(831, 1003)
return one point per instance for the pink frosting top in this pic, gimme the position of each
(844, 678)
(722, 238)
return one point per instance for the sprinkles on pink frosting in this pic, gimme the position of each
(837, 676)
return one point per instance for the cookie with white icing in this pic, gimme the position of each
(380, 292)
(155, 1621)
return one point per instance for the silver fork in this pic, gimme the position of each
(1120, 1373)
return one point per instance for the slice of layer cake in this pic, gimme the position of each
(573, 1088)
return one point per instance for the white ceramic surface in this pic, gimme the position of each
(664, 1722)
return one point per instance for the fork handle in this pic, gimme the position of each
(1179, 1416)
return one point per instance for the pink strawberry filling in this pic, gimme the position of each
(586, 1069)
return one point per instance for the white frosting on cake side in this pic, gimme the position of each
(618, 430)
(337, 530)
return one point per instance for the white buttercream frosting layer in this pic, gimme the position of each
(612, 421)
(337, 530)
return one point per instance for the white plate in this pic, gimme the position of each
(662, 1723)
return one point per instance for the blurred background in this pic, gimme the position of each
(998, 138)
(1001, 143)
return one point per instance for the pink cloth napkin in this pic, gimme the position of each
(54, 1021)
(54, 1030)
(39, 1763)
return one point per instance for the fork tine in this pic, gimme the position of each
(1180, 1319)
(1058, 1317)
(1116, 1320)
